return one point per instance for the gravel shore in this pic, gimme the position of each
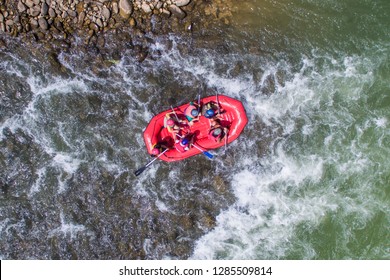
(105, 26)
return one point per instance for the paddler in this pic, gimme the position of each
(161, 146)
(192, 112)
(210, 110)
(217, 132)
(185, 143)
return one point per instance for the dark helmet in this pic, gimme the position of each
(209, 113)
(184, 141)
(217, 131)
(194, 112)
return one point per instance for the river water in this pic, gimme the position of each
(308, 179)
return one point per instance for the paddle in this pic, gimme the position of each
(226, 136)
(207, 154)
(198, 104)
(177, 118)
(142, 169)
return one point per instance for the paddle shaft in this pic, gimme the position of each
(207, 154)
(219, 111)
(198, 104)
(142, 169)
(177, 118)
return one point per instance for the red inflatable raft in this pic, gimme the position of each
(231, 114)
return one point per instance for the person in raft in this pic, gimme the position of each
(210, 110)
(217, 132)
(160, 147)
(173, 126)
(192, 112)
(185, 143)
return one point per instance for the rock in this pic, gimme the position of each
(176, 11)
(81, 17)
(166, 13)
(35, 11)
(181, 3)
(52, 13)
(94, 27)
(115, 8)
(43, 23)
(9, 22)
(132, 22)
(220, 185)
(72, 13)
(17, 19)
(99, 22)
(36, 2)
(44, 9)
(146, 8)
(1, 17)
(33, 23)
(29, 3)
(21, 7)
(106, 13)
(125, 8)
(2, 27)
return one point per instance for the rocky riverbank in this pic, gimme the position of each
(105, 26)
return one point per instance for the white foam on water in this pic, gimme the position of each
(40, 173)
(381, 122)
(264, 216)
(69, 230)
(291, 188)
(68, 166)
(3, 224)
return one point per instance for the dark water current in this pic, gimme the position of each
(308, 179)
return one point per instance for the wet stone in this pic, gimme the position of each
(21, 7)
(29, 3)
(175, 10)
(52, 13)
(43, 24)
(181, 3)
(44, 9)
(125, 8)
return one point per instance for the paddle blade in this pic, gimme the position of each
(139, 171)
(207, 154)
